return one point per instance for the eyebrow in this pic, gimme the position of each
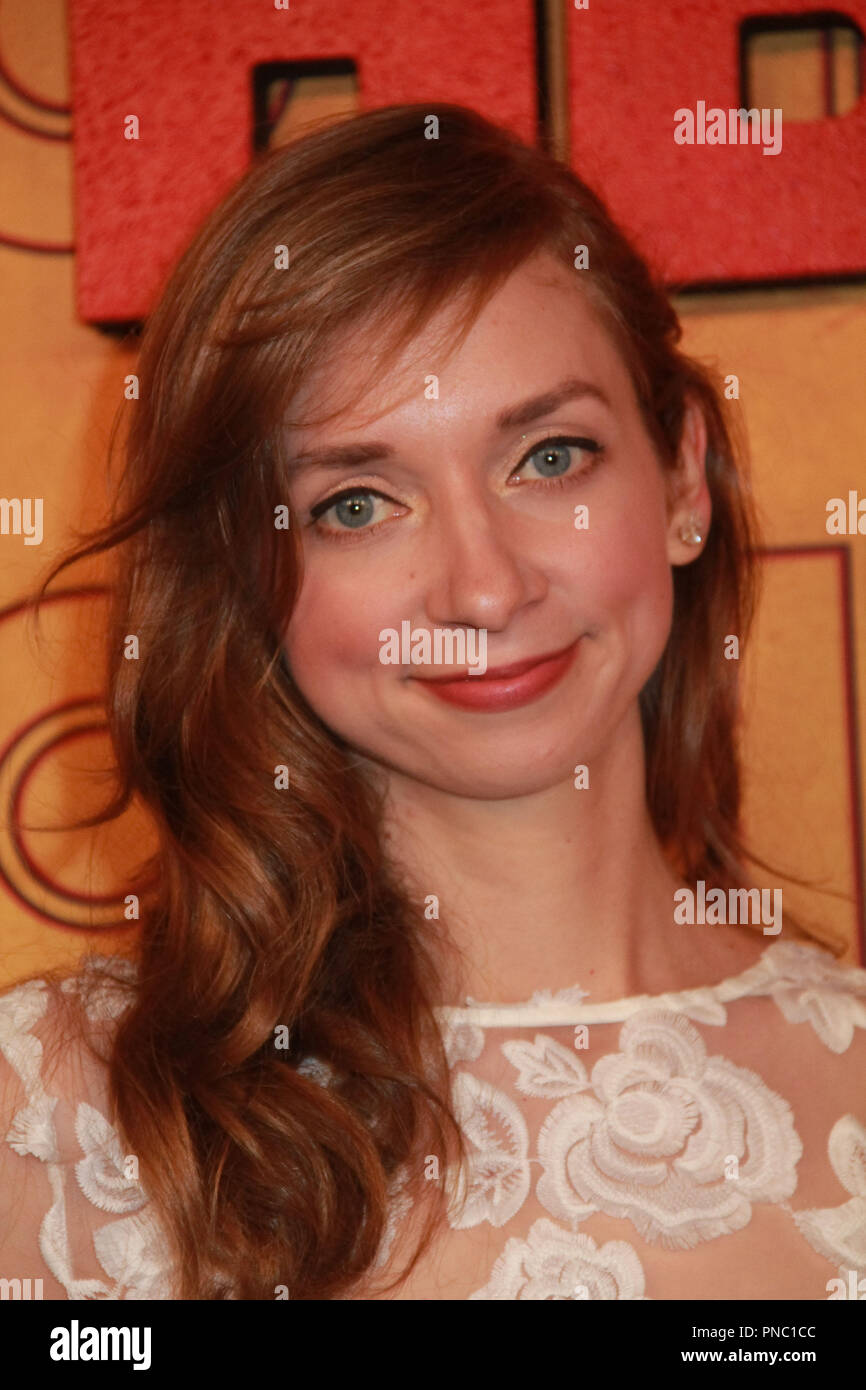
(345, 456)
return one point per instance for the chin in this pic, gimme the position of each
(511, 773)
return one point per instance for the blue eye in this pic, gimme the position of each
(355, 507)
(554, 460)
(555, 456)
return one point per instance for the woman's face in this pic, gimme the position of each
(467, 523)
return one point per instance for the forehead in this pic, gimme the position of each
(536, 328)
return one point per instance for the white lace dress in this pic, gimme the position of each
(708, 1144)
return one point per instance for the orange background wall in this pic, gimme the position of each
(798, 354)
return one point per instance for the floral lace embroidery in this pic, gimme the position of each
(464, 1042)
(553, 1263)
(20, 1010)
(498, 1178)
(650, 1136)
(100, 1172)
(810, 988)
(656, 1136)
(647, 1135)
(131, 1251)
(839, 1233)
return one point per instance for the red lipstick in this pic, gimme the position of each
(504, 687)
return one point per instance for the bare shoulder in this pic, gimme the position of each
(709, 954)
(59, 1024)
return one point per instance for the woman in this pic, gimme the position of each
(401, 389)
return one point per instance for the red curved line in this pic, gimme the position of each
(79, 702)
(13, 120)
(61, 108)
(12, 610)
(45, 248)
(43, 914)
(15, 803)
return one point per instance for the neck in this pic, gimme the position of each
(557, 887)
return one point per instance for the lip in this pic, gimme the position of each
(504, 687)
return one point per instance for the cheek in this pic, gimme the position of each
(333, 631)
(638, 573)
(618, 566)
(631, 560)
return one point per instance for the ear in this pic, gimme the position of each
(687, 490)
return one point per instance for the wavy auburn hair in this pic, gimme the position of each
(265, 907)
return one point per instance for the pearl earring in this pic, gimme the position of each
(691, 531)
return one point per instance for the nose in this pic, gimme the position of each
(482, 570)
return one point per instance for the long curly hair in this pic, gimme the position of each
(268, 909)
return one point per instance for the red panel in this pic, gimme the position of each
(183, 67)
(709, 212)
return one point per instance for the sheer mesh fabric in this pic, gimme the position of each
(708, 1144)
